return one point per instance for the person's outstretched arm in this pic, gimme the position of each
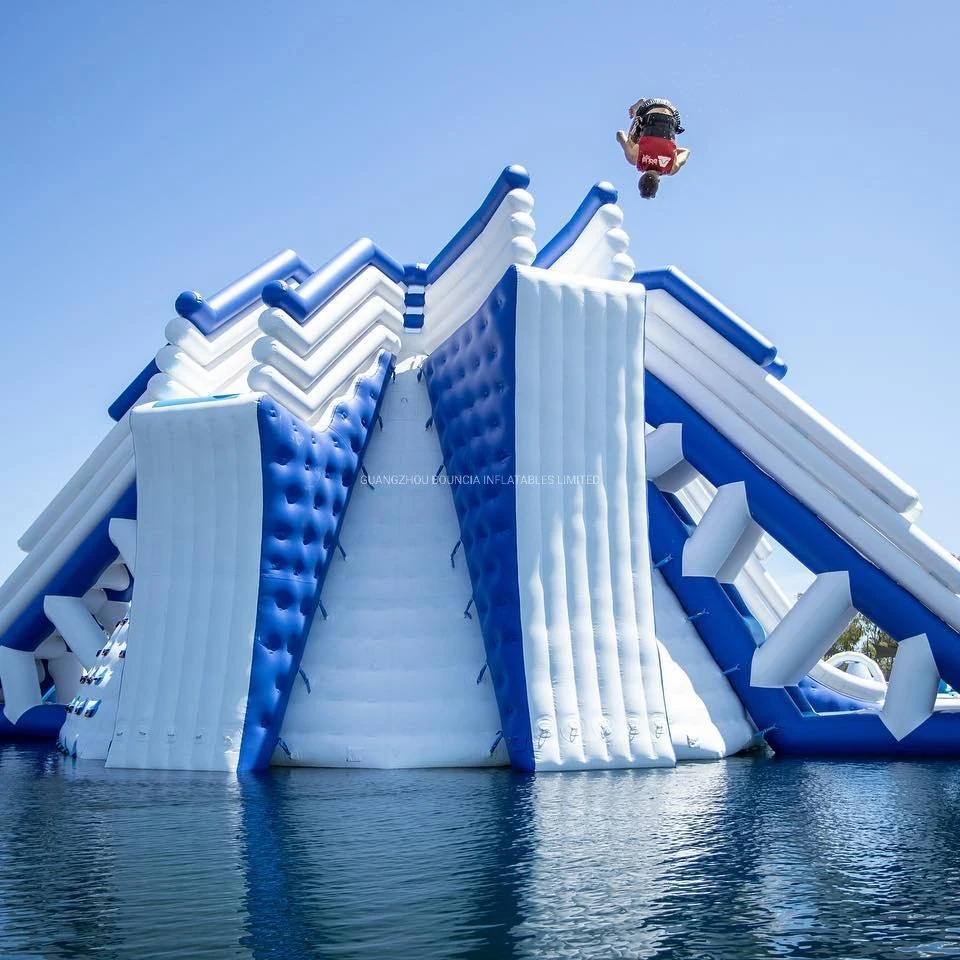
(630, 149)
(683, 154)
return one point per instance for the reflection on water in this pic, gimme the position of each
(747, 858)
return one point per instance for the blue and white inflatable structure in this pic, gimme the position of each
(507, 506)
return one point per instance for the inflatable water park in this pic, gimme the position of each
(511, 506)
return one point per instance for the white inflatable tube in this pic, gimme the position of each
(458, 293)
(370, 285)
(601, 249)
(208, 350)
(782, 400)
(809, 457)
(312, 404)
(305, 371)
(93, 471)
(39, 566)
(853, 527)
(447, 311)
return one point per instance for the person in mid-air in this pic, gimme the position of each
(651, 143)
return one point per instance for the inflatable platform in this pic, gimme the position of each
(511, 506)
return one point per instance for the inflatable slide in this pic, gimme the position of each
(514, 505)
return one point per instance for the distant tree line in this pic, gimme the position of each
(864, 636)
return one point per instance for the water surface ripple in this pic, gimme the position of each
(747, 858)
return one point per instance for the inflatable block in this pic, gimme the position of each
(241, 507)
(538, 403)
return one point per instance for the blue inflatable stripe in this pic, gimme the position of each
(800, 531)
(40, 722)
(777, 367)
(299, 302)
(471, 380)
(512, 178)
(713, 313)
(308, 479)
(787, 715)
(727, 634)
(209, 315)
(133, 391)
(74, 578)
(600, 194)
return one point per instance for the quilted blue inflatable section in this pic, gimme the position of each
(471, 379)
(308, 478)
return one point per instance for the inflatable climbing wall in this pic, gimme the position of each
(511, 505)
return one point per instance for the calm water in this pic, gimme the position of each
(742, 859)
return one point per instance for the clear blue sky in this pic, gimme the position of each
(150, 148)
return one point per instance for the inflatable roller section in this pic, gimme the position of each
(538, 403)
(240, 509)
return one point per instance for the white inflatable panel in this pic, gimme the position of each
(92, 712)
(805, 634)
(590, 655)
(601, 249)
(912, 690)
(393, 671)
(725, 537)
(666, 465)
(65, 671)
(19, 680)
(193, 614)
(460, 291)
(707, 720)
(123, 534)
(77, 625)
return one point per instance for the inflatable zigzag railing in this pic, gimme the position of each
(506, 506)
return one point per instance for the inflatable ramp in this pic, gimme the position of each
(510, 505)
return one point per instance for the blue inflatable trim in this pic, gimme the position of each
(209, 315)
(308, 479)
(471, 380)
(812, 542)
(133, 392)
(600, 194)
(314, 291)
(787, 716)
(715, 315)
(414, 275)
(40, 722)
(512, 178)
(74, 577)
